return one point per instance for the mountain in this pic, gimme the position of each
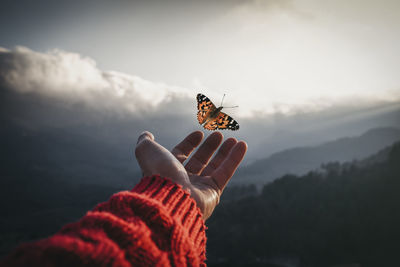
(305, 130)
(346, 216)
(64, 156)
(301, 160)
(32, 209)
(51, 177)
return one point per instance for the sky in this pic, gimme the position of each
(301, 72)
(267, 56)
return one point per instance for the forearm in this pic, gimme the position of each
(157, 223)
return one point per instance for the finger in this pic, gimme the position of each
(145, 135)
(186, 147)
(200, 159)
(222, 153)
(228, 167)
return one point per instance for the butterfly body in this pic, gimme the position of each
(215, 113)
(211, 117)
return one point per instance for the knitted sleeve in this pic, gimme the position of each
(155, 224)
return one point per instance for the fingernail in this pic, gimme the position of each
(145, 135)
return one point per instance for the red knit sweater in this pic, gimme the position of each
(155, 224)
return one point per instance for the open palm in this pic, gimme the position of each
(203, 178)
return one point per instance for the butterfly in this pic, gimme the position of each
(211, 117)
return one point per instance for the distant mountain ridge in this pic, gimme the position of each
(301, 160)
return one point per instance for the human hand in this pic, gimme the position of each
(205, 180)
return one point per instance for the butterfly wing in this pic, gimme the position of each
(204, 107)
(222, 121)
(211, 125)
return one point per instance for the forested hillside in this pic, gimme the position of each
(301, 160)
(349, 214)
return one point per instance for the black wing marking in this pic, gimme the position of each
(224, 121)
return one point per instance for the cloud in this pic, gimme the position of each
(63, 90)
(76, 79)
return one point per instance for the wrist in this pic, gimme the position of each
(165, 197)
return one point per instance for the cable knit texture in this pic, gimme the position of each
(155, 224)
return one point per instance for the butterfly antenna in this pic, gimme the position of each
(222, 100)
(232, 107)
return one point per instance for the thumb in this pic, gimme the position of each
(145, 135)
(153, 158)
(144, 151)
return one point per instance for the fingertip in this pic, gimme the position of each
(243, 145)
(229, 144)
(239, 151)
(216, 136)
(145, 135)
(195, 138)
(231, 140)
(198, 135)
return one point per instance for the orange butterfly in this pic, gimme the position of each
(211, 117)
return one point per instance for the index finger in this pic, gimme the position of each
(225, 171)
(183, 150)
